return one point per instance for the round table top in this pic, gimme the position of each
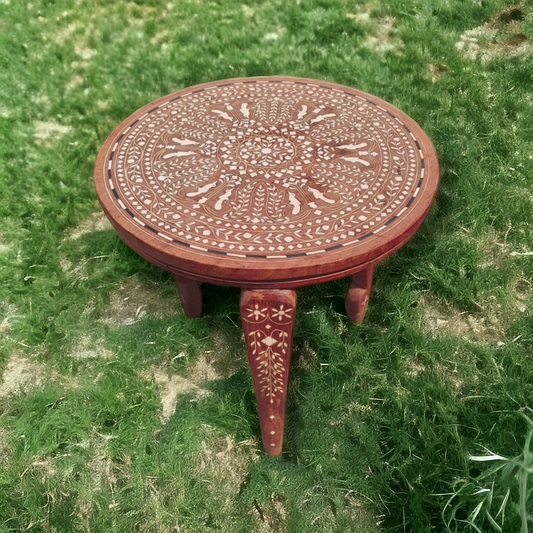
(266, 181)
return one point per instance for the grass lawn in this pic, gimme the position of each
(117, 413)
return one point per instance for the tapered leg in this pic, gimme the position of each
(190, 296)
(267, 320)
(358, 294)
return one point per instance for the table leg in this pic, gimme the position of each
(190, 296)
(267, 320)
(358, 294)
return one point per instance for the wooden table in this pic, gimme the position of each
(267, 184)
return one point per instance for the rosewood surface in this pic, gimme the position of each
(267, 184)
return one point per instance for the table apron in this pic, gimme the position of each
(270, 284)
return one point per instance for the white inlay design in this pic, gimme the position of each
(269, 345)
(268, 169)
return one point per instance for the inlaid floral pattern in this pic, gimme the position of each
(269, 349)
(266, 169)
(268, 331)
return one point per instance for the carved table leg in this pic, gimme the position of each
(358, 294)
(267, 320)
(190, 296)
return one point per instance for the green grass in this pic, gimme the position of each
(381, 418)
(505, 485)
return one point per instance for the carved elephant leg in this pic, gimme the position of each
(358, 294)
(190, 296)
(267, 320)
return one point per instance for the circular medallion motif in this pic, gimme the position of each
(270, 151)
(275, 168)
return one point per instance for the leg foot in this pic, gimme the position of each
(190, 296)
(358, 294)
(267, 320)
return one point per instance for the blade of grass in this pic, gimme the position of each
(476, 511)
(523, 476)
(504, 503)
(492, 521)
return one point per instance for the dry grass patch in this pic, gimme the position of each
(75, 31)
(173, 386)
(304, 356)
(382, 39)
(4, 447)
(133, 300)
(440, 319)
(22, 374)
(48, 132)
(203, 370)
(101, 473)
(348, 510)
(522, 292)
(447, 371)
(42, 464)
(228, 356)
(436, 71)
(170, 388)
(75, 81)
(270, 517)
(96, 222)
(358, 512)
(494, 252)
(500, 37)
(101, 466)
(88, 348)
(8, 312)
(62, 33)
(348, 412)
(4, 248)
(497, 311)
(223, 463)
